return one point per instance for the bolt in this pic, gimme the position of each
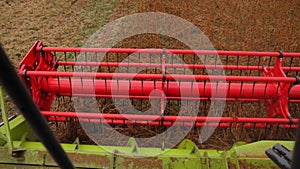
(15, 154)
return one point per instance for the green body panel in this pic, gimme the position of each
(18, 128)
(92, 156)
(32, 154)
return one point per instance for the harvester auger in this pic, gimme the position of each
(268, 80)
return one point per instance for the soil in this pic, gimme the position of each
(230, 25)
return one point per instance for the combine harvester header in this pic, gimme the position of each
(50, 71)
(171, 77)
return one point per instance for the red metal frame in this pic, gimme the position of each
(274, 88)
(35, 60)
(278, 106)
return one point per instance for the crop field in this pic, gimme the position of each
(270, 25)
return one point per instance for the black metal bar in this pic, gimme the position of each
(9, 119)
(280, 155)
(283, 151)
(295, 159)
(277, 159)
(18, 92)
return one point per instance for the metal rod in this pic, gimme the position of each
(186, 124)
(158, 65)
(166, 97)
(17, 91)
(91, 115)
(144, 88)
(148, 120)
(168, 51)
(158, 76)
(6, 122)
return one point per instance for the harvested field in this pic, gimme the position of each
(230, 25)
